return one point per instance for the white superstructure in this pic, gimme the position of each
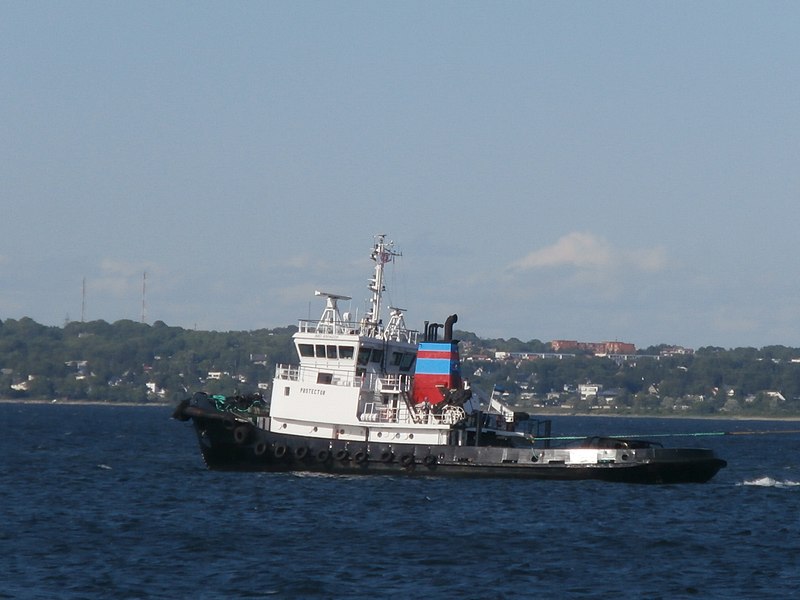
(354, 378)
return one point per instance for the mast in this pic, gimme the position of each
(144, 295)
(382, 253)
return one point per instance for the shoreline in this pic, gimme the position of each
(693, 417)
(83, 402)
(545, 414)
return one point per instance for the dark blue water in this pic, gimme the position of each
(102, 502)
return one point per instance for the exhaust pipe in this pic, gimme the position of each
(448, 328)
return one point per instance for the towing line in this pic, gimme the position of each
(697, 434)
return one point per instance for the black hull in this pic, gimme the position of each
(230, 445)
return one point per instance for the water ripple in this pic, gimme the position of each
(105, 502)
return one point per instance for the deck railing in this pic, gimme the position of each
(375, 412)
(311, 375)
(354, 328)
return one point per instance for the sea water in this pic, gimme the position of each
(115, 502)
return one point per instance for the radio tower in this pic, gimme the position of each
(144, 293)
(83, 300)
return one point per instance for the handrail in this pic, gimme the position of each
(318, 326)
(342, 377)
(377, 413)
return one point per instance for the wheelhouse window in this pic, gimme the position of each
(330, 352)
(408, 361)
(376, 356)
(320, 350)
(306, 349)
(346, 352)
(363, 356)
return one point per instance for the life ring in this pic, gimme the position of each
(323, 455)
(342, 455)
(429, 460)
(260, 448)
(280, 451)
(387, 456)
(241, 433)
(407, 460)
(301, 452)
(361, 457)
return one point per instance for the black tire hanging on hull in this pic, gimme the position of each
(241, 434)
(260, 448)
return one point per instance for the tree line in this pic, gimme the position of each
(133, 362)
(137, 362)
(712, 380)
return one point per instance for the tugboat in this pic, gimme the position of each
(369, 398)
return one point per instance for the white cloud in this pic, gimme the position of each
(576, 249)
(649, 259)
(588, 251)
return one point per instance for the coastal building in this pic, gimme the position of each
(594, 347)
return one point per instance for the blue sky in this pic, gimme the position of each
(575, 170)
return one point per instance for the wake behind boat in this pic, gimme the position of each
(369, 398)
